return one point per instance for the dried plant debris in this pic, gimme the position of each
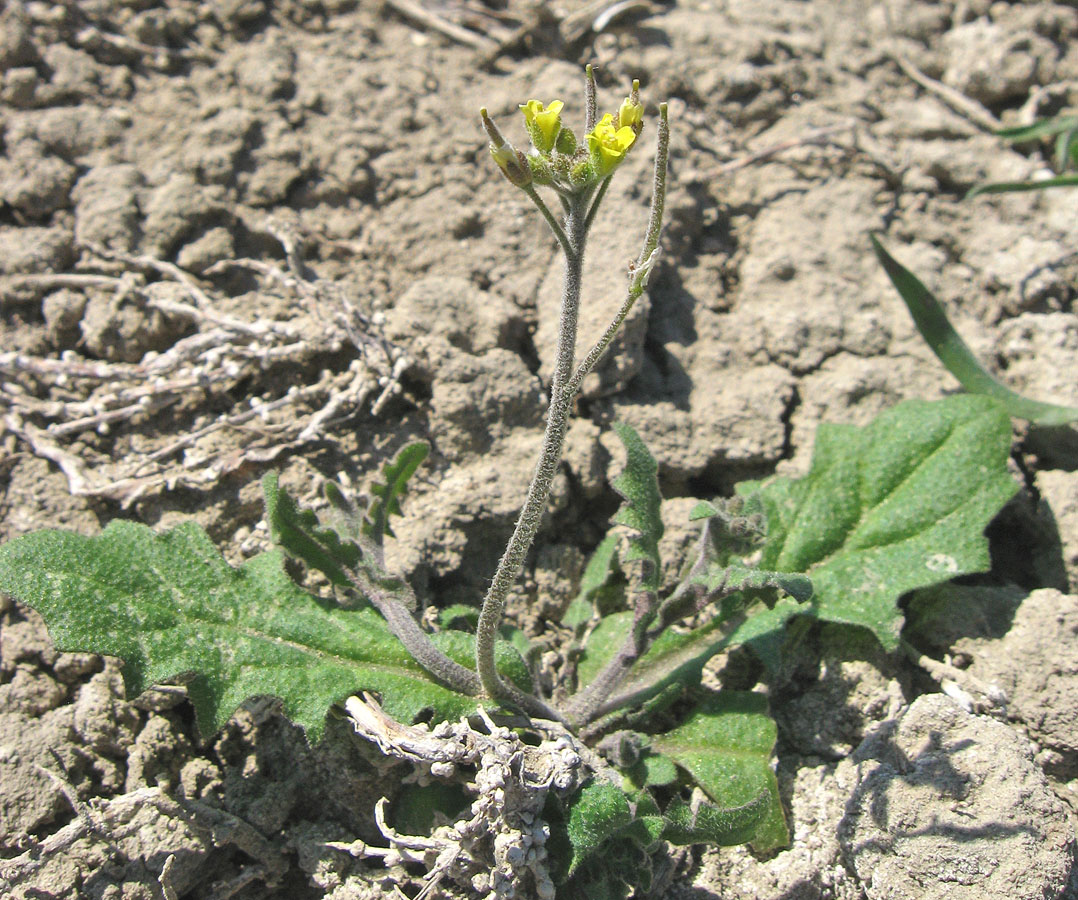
(48, 403)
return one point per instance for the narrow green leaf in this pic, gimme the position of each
(387, 493)
(600, 568)
(1066, 147)
(726, 746)
(899, 504)
(1042, 128)
(168, 605)
(952, 351)
(298, 532)
(639, 486)
(596, 813)
(1012, 187)
(602, 645)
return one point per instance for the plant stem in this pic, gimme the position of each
(416, 641)
(531, 513)
(641, 269)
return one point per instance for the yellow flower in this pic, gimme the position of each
(543, 123)
(609, 145)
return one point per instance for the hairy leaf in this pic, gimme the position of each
(934, 326)
(168, 604)
(601, 566)
(678, 657)
(726, 747)
(388, 492)
(755, 584)
(602, 645)
(899, 504)
(299, 533)
(639, 486)
(597, 812)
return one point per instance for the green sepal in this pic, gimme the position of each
(566, 142)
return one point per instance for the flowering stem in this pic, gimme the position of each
(531, 513)
(648, 254)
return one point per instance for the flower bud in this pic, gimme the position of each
(631, 113)
(566, 142)
(513, 163)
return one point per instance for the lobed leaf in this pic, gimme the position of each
(639, 487)
(726, 747)
(899, 504)
(301, 535)
(169, 605)
(388, 492)
(934, 326)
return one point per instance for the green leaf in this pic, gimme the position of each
(417, 809)
(755, 584)
(939, 334)
(602, 565)
(597, 812)
(639, 487)
(1012, 187)
(726, 747)
(678, 657)
(388, 492)
(300, 534)
(457, 614)
(168, 604)
(1040, 129)
(602, 645)
(899, 504)
(653, 770)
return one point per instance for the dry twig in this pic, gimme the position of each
(47, 402)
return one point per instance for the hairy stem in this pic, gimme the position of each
(582, 708)
(416, 641)
(531, 513)
(641, 269)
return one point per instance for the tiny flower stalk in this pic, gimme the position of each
(580, 175)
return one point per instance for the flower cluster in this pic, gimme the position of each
(556, 157)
